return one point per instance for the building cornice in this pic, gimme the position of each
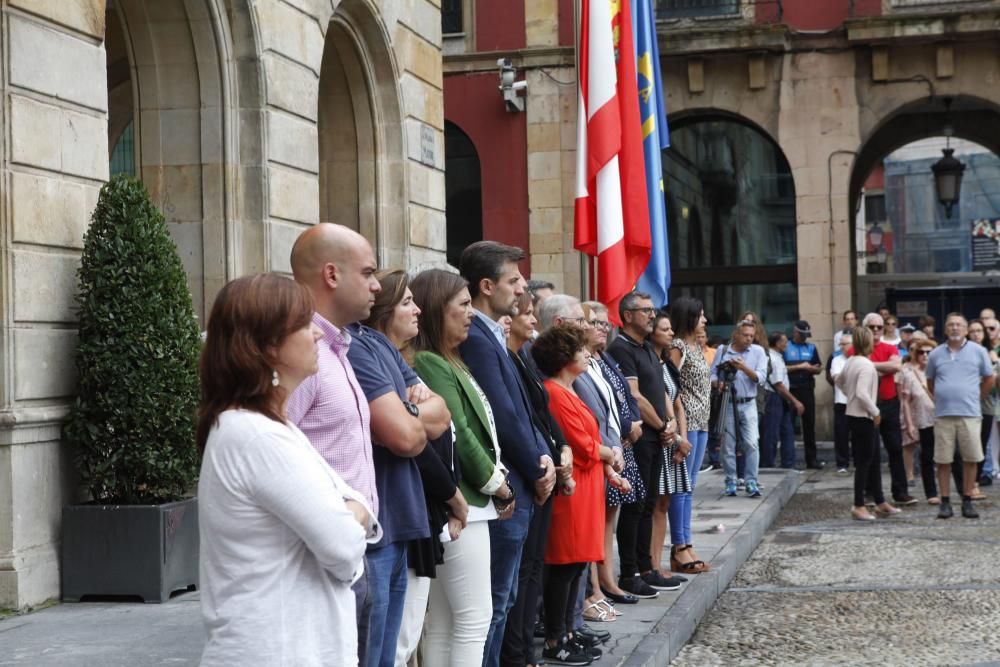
(527, 58)
(924, 27)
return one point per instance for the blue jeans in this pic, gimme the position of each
(778, 429)
(387, 585)
(744, 417)
(506, 544)
(680, 507)
(363, 610)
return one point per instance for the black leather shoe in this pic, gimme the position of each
(628, 598)
(816, 465)
(590, 634)
(985, 480)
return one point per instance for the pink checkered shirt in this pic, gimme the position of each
(331, 409)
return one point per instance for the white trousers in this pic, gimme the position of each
(461, 601)
(414, 612)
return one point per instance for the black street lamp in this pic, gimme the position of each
(948, 179)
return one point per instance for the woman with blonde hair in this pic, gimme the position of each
(859, 381)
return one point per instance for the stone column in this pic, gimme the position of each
(54, 112)
(819, 130)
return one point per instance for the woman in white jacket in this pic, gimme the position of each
(859, 381)
(282, 536)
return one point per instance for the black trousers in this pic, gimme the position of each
(806, 396)
(985, 439)
(635, 523)
(867, 463)
(928, 469)
(892, 440)
(562, 582)
(841, 436)
(518, 647)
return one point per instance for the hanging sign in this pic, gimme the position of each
(986, 245)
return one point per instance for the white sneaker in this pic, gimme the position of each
(741, 484)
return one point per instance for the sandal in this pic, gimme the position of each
(693, 567)
(596, 613)
(609, 606)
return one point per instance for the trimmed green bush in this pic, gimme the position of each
(132, 423)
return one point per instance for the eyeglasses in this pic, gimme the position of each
(875, 327)
(600, 324)
(923, 351)
(649, 310)
(582, 321)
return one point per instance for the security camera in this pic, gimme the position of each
(511, 90)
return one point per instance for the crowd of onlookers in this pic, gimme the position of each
(443, 463)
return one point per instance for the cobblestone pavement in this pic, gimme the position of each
(823, 589)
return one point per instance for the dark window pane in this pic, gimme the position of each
(874, 208)
(123, 155)
(673, 9)
(451, 16)
(731, 222)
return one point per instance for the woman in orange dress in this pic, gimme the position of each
(576, 536)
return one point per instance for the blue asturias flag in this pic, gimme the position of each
(655, 137)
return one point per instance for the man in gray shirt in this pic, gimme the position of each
(959, 375)
(743, 366)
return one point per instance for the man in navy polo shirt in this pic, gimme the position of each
(803, 364)
(404, 415)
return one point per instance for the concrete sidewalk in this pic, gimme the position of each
(649, 633)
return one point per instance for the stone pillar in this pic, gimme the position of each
(819, 130)
(54, 112)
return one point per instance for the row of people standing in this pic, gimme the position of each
(380, 456)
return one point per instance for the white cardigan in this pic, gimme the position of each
(279, 548)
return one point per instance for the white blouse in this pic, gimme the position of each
(279, 548)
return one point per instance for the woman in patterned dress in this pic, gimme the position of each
(688, 318)
(674, 477)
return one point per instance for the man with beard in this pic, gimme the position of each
(495, 283)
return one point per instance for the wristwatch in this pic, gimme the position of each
(666, 422)
(412, 408)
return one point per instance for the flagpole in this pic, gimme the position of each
(586, 262)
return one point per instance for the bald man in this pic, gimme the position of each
(338, 267)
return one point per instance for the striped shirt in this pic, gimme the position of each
(331, 409)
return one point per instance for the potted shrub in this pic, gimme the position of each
(131, 425)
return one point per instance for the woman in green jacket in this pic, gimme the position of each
(461, 604)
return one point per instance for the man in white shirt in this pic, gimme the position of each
(841, 440)
(778, 420)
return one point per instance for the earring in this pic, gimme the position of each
(274, 378)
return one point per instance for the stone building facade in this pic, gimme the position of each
(248, 120)
(819, 94)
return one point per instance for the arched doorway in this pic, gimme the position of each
(463, 191)
(167, 100)
(362, 180)
(903, 241)
(732, 229)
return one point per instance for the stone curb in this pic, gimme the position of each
(681, 619)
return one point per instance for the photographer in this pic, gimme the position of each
(738, 370)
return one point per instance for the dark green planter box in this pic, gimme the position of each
(148, 551)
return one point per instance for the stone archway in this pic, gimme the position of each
(969, 117)
(362, 181)
(169, 85)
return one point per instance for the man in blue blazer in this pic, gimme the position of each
(495, 283)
